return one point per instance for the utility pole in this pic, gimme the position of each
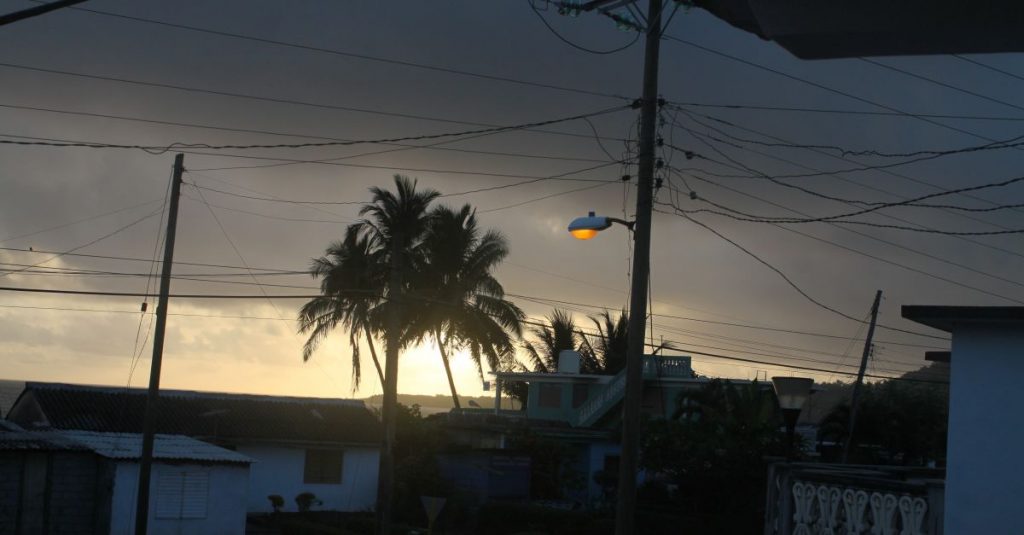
(860, 377)
(153, 396)
(625, 506)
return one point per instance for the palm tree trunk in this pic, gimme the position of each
(386, 466)
(373, 354)
(447, 368)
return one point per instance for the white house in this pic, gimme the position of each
(984, 483)
(327, 447)
(86, 482)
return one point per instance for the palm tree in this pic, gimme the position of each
(558, 333)
(351, 285)
(363, 289)
(395, 223)
(462, 305)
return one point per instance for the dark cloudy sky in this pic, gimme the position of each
(695, 274)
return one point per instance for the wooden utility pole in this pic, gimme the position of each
(153, 396)
(860, 377)
(625, 506)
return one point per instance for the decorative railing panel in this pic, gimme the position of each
(821, 499)
(667, 367)
(823, 509)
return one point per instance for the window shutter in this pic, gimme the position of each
(182, 494)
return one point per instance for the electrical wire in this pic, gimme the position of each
(77, 221)
(84, 245)
(354, 55)
(987, 66)
(161, 149)
(402, 146)
(856, 113)
(275, 100)
(527, 322)
(789, 281)
(877, 239)
(933, 81)
(563, 39)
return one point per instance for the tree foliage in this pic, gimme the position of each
(898, 422)
(713, 448)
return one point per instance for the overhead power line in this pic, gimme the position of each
(872, 237)
(675, 344)
(355, 55)
(832, 111)
(114, 232)
(840, 218)
(789, 281)
(403, 146)
(275, 100)
(161, 149)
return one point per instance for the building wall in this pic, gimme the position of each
(53, 492)
(595, 463)
(279, 470)
(565, 411)
(225, 506)
(984, 487)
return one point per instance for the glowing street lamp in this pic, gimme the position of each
(585, 228)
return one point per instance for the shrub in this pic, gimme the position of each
(306, 500)
(277, 502)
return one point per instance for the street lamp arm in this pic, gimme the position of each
(623, 222)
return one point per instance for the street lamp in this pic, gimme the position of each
(792, 393)
(584, 228)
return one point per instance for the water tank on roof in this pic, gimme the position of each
(568, 362)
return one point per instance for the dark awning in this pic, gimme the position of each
(840, 29)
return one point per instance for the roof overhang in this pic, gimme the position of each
(852, 28)
(948, 318)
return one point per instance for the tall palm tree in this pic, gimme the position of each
(352, 281)
(395, 223)
(363, 289)
(462, 305)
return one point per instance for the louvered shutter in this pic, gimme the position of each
(182, 494)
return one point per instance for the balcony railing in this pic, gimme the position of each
(655, 366)
(813, 499)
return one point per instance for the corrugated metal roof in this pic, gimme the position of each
(14, 439)
(220, 416)
(166, 447)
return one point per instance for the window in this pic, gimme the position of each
(323, 466)
(580, 393)
(550, 396)
(182, 494)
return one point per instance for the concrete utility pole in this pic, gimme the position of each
(153, 396)
(625, 507)
(860, 377)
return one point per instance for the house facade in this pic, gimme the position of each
(984, 489)
(327, 447)
(578, 410)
